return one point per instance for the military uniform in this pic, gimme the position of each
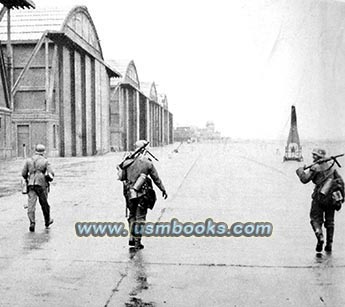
(136, 199)
(38, 172)
(326, 180)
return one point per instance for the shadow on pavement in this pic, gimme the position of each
(140, 277)
(34, 240)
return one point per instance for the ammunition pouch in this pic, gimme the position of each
(338, 199)
(48, 177)
(150, 198)
(337, 193)
(330, 195)
(141, 188)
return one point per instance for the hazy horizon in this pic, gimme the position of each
(241, 64)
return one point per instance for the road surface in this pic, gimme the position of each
(233, 182)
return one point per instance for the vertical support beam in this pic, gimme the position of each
(168, 126)
(100, 103)
(138, 116)
(93, 106)
(52, 80)
(154, 125)
(171, 122)
(163, 126)
(73, 111)
(88, 105)
(148, 121)
(3, 73)
(126, 99)
(157, 124)
(118, 94)
(124, 117)
(3, 12)
(61, 101)
(46, 58)
(9, 57)
(83, 106)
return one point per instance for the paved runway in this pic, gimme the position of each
(233, 182)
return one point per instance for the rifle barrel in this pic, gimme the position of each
(334, 158)
(132, 155)
(152, 155)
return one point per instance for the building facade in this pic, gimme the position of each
(56, 89)
(61, 84)
(5, 113)
(5, 85)
(135, 110)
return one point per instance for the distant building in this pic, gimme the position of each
(209, 132)
(188, 133)
(137, 111)
(167, 120)
(184, 134)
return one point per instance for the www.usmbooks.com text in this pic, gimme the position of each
(175, 228)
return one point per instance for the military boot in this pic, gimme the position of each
(131, 241)
(31, 215)
(50, 221)
(320, 240)
(329, 238)
(32, 227)
(138, 244)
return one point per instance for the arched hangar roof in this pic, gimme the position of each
(69, 23)
(128, 71)
(149, 90)
(31, 24)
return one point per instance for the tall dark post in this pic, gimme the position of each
(293, 149)
(293, 134)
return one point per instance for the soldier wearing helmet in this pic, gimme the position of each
(326, 180)
(38, 173)
(138, 190)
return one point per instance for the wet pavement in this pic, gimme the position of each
(232, 182)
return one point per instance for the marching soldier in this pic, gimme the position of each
(139, 194)
(38, 173)
(327, 196)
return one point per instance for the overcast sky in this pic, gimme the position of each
(241, 64)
